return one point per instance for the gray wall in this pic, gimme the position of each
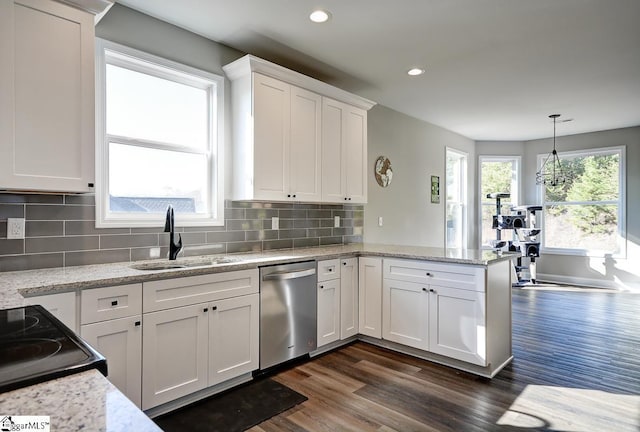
(417, 151)
(596, 271)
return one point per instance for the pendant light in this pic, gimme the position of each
(551, 172)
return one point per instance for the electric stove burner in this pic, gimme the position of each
(19, 354)
(35, 347)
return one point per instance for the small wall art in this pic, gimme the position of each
(382, 171)
(435, 189)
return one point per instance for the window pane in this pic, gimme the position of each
(589, 227)
(150, 108)
(497, 176)
(168, 177)
(594, 178)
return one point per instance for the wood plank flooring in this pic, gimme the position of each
(576, 368)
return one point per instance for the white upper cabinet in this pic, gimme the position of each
(286, 142)
(279, 128)
(344, 153)
(47, 106)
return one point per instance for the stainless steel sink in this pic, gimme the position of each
(185, 263)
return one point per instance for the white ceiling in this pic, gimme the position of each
(495, 69)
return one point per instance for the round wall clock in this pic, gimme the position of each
(382, 171)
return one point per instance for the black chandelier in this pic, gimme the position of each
(551, 172)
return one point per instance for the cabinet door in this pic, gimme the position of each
(355, 151)
(175, 350)
(348, 297)
(405, 313)
(370, 296)
(233, 337)
(271, 134)
(333, 162)
(120, 341)
(328, 311)
(304, 155)
(47, 105)
(61, 306)
(457, 324)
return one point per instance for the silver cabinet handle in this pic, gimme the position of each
(289, 275)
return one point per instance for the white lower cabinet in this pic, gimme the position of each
(111, 322)
(174, 353)
(405, 313)
(457, 326)
(328, 323)
(233, 337)
(370, 296)
(436, 307)
(120, 342)
(348, 297)
(187, 348)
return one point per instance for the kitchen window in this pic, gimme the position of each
(497, 174)
(159, 140)
(585, 216)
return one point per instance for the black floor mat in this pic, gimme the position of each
(235, 410)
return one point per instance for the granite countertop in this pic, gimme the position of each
(84, 401)
(87, 401)
(15, 285)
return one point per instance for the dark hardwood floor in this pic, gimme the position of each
(576, 368)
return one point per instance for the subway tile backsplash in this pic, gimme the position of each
(60, 231)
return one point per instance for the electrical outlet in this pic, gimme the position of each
(336, 222)
(15, 228)
(275, 223)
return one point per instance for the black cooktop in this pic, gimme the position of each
(35, 347)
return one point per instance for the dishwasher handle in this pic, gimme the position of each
(289, 274)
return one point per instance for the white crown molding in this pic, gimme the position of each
(249, 63)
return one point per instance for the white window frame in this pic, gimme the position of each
(622, 199)
(464, 175)
(113, 53)
(518, 186)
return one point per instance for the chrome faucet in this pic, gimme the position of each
(169, 226)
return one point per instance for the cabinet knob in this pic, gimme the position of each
(114, 303)
(433, 291)
(294, 195)
(137, 323)
(288, 195)
(330, 269)
(345, 198)
(321, 286)
(213, 308)
(429, 274)
(424, 289)
(344, 263)
(349, 199)
(205, 310)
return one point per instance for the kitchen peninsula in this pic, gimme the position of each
(398, 288)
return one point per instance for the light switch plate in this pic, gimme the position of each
(336, 222)
(15, 228)
(380, 221)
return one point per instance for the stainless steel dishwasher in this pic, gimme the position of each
(287, 312)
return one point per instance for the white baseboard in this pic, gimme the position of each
(588, 282)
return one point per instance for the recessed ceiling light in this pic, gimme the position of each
(319, 16)
(415, 71)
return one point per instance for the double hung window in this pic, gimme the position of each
(159, 140)
(585, 216)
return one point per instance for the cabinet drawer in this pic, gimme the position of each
(427, 272)
(171, 293)
(101, 304)
(328, 269)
